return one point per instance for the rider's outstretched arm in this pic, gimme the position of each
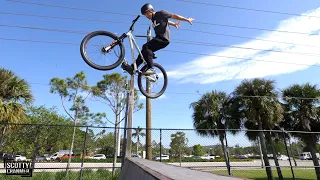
(178, 17)
(171, 23)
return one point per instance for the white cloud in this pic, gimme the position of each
(209, 69)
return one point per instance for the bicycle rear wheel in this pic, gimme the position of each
(153, 79)
(105, 47)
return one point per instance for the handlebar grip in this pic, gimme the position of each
(134, 21)
(136, 18)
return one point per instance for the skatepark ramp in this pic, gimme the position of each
(142, 169)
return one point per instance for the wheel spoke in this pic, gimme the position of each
(96, 41)
(155, 92)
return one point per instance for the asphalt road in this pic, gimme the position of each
(53, 167)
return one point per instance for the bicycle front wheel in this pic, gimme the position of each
(103, 52)
(160, 78)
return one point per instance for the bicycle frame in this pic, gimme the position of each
(133, 46)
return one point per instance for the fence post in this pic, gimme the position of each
(160, 145)
(285, 143)
(84, 152)
(294, 159)
(227, 152)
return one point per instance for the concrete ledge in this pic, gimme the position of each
(142, 169)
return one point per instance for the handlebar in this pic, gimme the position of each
(134, 21)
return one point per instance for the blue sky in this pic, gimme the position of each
(188, 73)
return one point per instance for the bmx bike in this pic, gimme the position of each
(111, 45)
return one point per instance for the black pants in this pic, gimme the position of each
(148, 48)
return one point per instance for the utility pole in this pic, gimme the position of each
(124, 143)
(119, 123)
(130, 118)
(148, 113)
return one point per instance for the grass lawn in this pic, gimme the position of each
(260, 174)
(73, 175)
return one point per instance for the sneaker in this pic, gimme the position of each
(154, 56)
(149, 72)
(127, 68)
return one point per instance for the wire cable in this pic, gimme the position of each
(204, 54)
(173, 51)
(69, 7)
(119, 22)
(179, 41)
(118, 13)
(67, 18)
(247, 9)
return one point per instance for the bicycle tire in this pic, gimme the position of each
(96, 66)
(144, 92)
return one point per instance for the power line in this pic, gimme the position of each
(69, 7)
(174, 40)
(198, 31)
(184, 52)
(238, 47)
(45, 29)
(118, 13)
(244, 37)
(119, 22)
(242, 96)
(173, 51)
(254, 28)
(37, 41)
(67, 18)
(248, 9)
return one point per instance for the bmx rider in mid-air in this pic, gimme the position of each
(160, 23)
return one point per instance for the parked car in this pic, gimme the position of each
(163, 157)
(2, 155)
(243, 157)
(307, 156)
(66, 156)
(98, 156)
(208, 156)
(19, 157)
(59, 154)
(135, 155)
(8, 156)
(41, 158)
(282, 157)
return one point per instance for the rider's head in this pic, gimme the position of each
(147, 10)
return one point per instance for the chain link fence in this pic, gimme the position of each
(98, 153)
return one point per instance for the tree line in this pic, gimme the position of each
(255, 104)
(17, 106)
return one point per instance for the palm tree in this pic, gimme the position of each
(257, 99)
(272, 137)
(137, 134)
(14, 89)
(211, 118)
(13, 93)
(302, 114)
